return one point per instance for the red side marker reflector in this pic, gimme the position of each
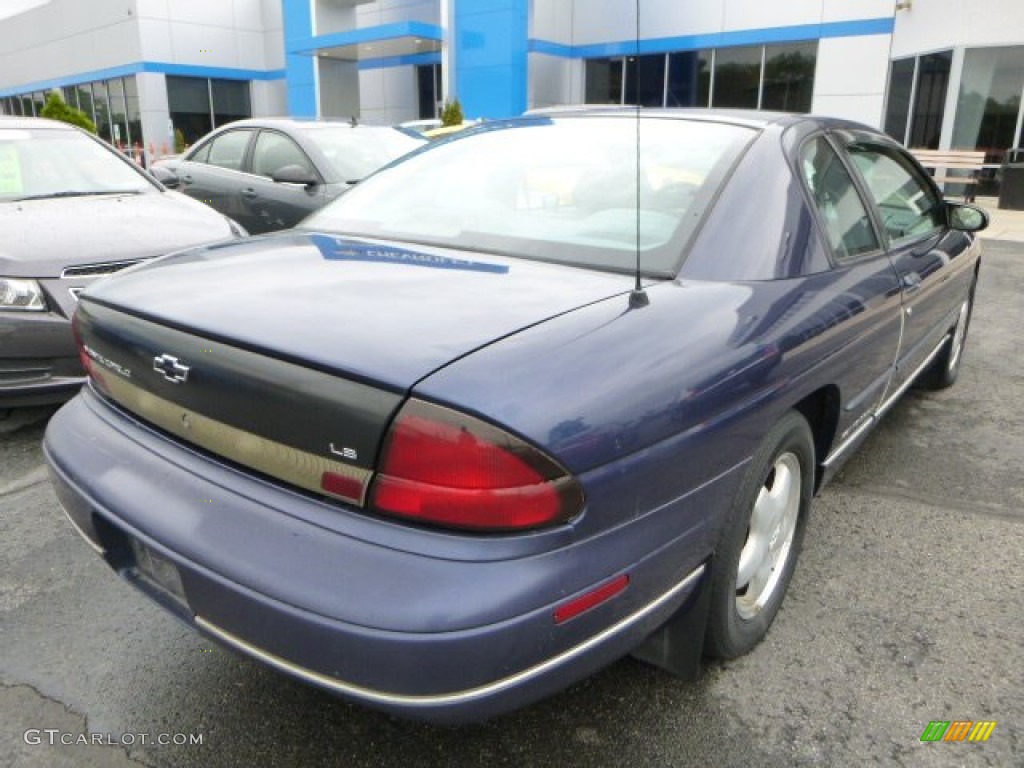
(338, 485)
(605, 592)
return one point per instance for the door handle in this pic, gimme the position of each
(186, 179)
(911, 282)
(249, 192)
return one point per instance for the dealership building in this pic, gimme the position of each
(932, 73)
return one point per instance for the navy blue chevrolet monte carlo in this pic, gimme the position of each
(550, 392)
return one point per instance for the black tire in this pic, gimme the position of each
(943, 371)
(738, 619)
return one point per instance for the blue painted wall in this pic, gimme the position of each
(491, 55)
(300, 70)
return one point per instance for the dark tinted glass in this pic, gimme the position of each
(604, 81)
(930, 99)
(737, 77)
(230, 101)
(689, 79)
(645, 80)
(901, 82)
(188, 100)
(789, 77)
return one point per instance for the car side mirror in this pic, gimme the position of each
(165, 176)
(966, 218)
(294, 174)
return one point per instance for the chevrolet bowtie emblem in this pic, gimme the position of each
(171, 368)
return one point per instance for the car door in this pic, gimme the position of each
(925, 252)
(864, 285)
(214, 172)
(274, 205)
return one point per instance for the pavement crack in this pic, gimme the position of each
(23, 692)
(947, 504)
(37, 476)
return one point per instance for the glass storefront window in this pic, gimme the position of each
(230, 99)
(989, 106)
(689, 79)
(645, 80)
(930, 99)
(789, 77)
(604, 81)
(132, 111)
(188, 99)
(118, 121)
(428, 90)
(101, 104)
(727, 77)
(198, 105)
(737, 77)
(901, 84)
(85, 100)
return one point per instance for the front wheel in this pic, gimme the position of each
(759, 543)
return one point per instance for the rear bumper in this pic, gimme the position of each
(358, 606)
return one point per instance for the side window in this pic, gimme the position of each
(201, 154)
(842, 212)
(274, 151)
(909, 207)
(228, 150)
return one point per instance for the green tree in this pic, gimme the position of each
(452, 113)
(56, 109)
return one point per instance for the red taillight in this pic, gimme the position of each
(446, 468)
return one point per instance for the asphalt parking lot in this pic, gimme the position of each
(906, 607)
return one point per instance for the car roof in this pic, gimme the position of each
(751, 118)
(14, 121)
(296, 122)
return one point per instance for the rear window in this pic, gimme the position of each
(355, 153)
(587, 191)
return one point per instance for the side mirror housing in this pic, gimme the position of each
(165, 176)
(295, 174)
(966, 218)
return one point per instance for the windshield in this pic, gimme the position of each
(355, 153)
(42, 163)
(563, 190)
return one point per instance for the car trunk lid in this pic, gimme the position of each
(289, 355)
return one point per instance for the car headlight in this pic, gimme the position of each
(236, 229)
(19, 294)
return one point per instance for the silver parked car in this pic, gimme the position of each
(270, 173)
(72, 210)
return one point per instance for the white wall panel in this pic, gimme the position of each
(269, 98)
(389, 95)
(941, 24)
(850, 77)
(757, 14)
(852, 10)
(204, 45)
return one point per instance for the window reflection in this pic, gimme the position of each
(725, 77)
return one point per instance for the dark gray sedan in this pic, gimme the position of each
(270, 173)
(71, 210)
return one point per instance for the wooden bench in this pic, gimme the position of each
(942, 161)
